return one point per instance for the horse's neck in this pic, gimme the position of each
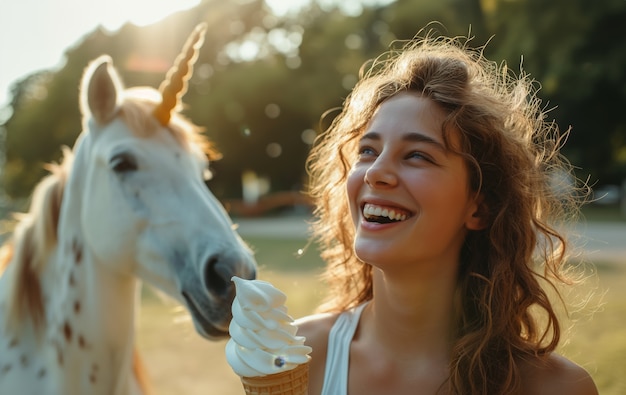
(89, 319)
(90, 322)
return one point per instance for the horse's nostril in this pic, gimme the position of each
(217, 277)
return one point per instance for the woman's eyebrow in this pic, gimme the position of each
(413, 137)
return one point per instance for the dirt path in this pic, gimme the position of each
(602, 241)
(599, 241)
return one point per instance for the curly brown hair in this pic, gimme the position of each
(504, 314)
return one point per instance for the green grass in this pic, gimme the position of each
(597, 339)
(180, 362)
(285, 255)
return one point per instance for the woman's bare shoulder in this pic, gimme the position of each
(555, 375)
(315, 329)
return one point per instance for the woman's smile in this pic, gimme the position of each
(384, 214)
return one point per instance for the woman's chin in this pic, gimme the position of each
(371, 252)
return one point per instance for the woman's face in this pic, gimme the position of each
(409, 195)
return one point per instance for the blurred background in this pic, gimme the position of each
(269, 69)
(267, 72)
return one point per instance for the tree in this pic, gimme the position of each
(571, 48)
(262, 83)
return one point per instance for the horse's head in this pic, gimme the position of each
(140, 194)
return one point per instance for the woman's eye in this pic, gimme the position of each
(366, 151)
(418, 155)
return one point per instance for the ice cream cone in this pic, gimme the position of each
(290, 382)
(264, 349)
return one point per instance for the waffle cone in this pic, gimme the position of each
(291, 382)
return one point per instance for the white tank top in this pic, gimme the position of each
(338, 354)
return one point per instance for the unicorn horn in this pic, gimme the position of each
(175, 84)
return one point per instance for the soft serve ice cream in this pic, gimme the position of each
(263, 336)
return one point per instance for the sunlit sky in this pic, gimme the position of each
(34, 34)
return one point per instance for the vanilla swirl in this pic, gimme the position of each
(263, 336)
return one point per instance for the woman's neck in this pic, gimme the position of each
(412, 316)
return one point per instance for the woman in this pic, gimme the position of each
(433, 191)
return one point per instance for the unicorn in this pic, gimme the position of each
(128, 204)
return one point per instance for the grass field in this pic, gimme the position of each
(180, 362)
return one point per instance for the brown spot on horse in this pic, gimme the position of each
(67, 331)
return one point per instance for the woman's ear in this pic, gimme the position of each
(478, 218)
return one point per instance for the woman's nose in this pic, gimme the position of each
(381, 174)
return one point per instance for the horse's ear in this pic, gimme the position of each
(100, 90)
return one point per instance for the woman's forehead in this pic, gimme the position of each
(409, 114)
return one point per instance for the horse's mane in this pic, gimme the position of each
(35, 235)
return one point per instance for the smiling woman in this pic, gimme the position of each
(439, 225)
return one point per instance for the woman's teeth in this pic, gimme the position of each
(374, 213)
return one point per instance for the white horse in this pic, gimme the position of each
(129, 203)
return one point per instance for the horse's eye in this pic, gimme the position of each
(123, 163)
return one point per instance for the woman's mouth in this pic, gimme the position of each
(384, 214)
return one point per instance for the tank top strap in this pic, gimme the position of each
(338, 353)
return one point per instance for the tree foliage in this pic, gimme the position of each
(263, 82)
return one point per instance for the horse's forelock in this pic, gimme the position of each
(137, 112)
(34, 237)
